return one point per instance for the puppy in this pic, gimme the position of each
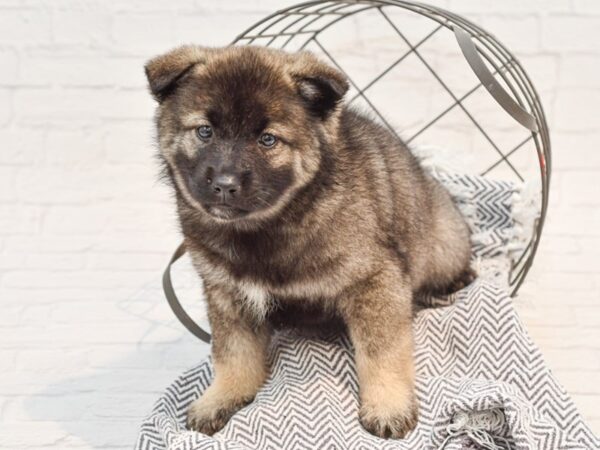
(296, 208)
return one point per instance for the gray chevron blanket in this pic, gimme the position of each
(481, 381)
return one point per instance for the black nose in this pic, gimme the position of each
(226, 184)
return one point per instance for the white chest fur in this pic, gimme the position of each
(256, 298)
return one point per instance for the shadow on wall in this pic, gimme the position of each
(105, 404)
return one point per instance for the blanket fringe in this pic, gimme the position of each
(478, 427)
(526, 210)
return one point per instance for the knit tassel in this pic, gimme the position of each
(478, 427)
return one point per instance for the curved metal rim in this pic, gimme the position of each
(486, 41)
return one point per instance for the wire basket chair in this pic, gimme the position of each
(459, 85)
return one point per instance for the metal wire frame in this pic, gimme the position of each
(311, 18)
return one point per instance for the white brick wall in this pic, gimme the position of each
(86, 341)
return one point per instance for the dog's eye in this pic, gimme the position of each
(267, 139)
(204, 132)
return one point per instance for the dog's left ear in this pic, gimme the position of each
(320, 86)
(164, 71)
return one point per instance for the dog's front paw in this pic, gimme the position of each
(386, 422)
(208, 415)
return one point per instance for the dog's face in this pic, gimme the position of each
(242, 129)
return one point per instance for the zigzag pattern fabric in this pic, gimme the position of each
(471, 356)
(480, 378)
(487, 205)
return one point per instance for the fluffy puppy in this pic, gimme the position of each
(297, 209)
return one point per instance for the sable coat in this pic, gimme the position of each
(336, 219)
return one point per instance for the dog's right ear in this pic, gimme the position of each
(165, 71)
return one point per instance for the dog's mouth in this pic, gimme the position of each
(225, 211)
